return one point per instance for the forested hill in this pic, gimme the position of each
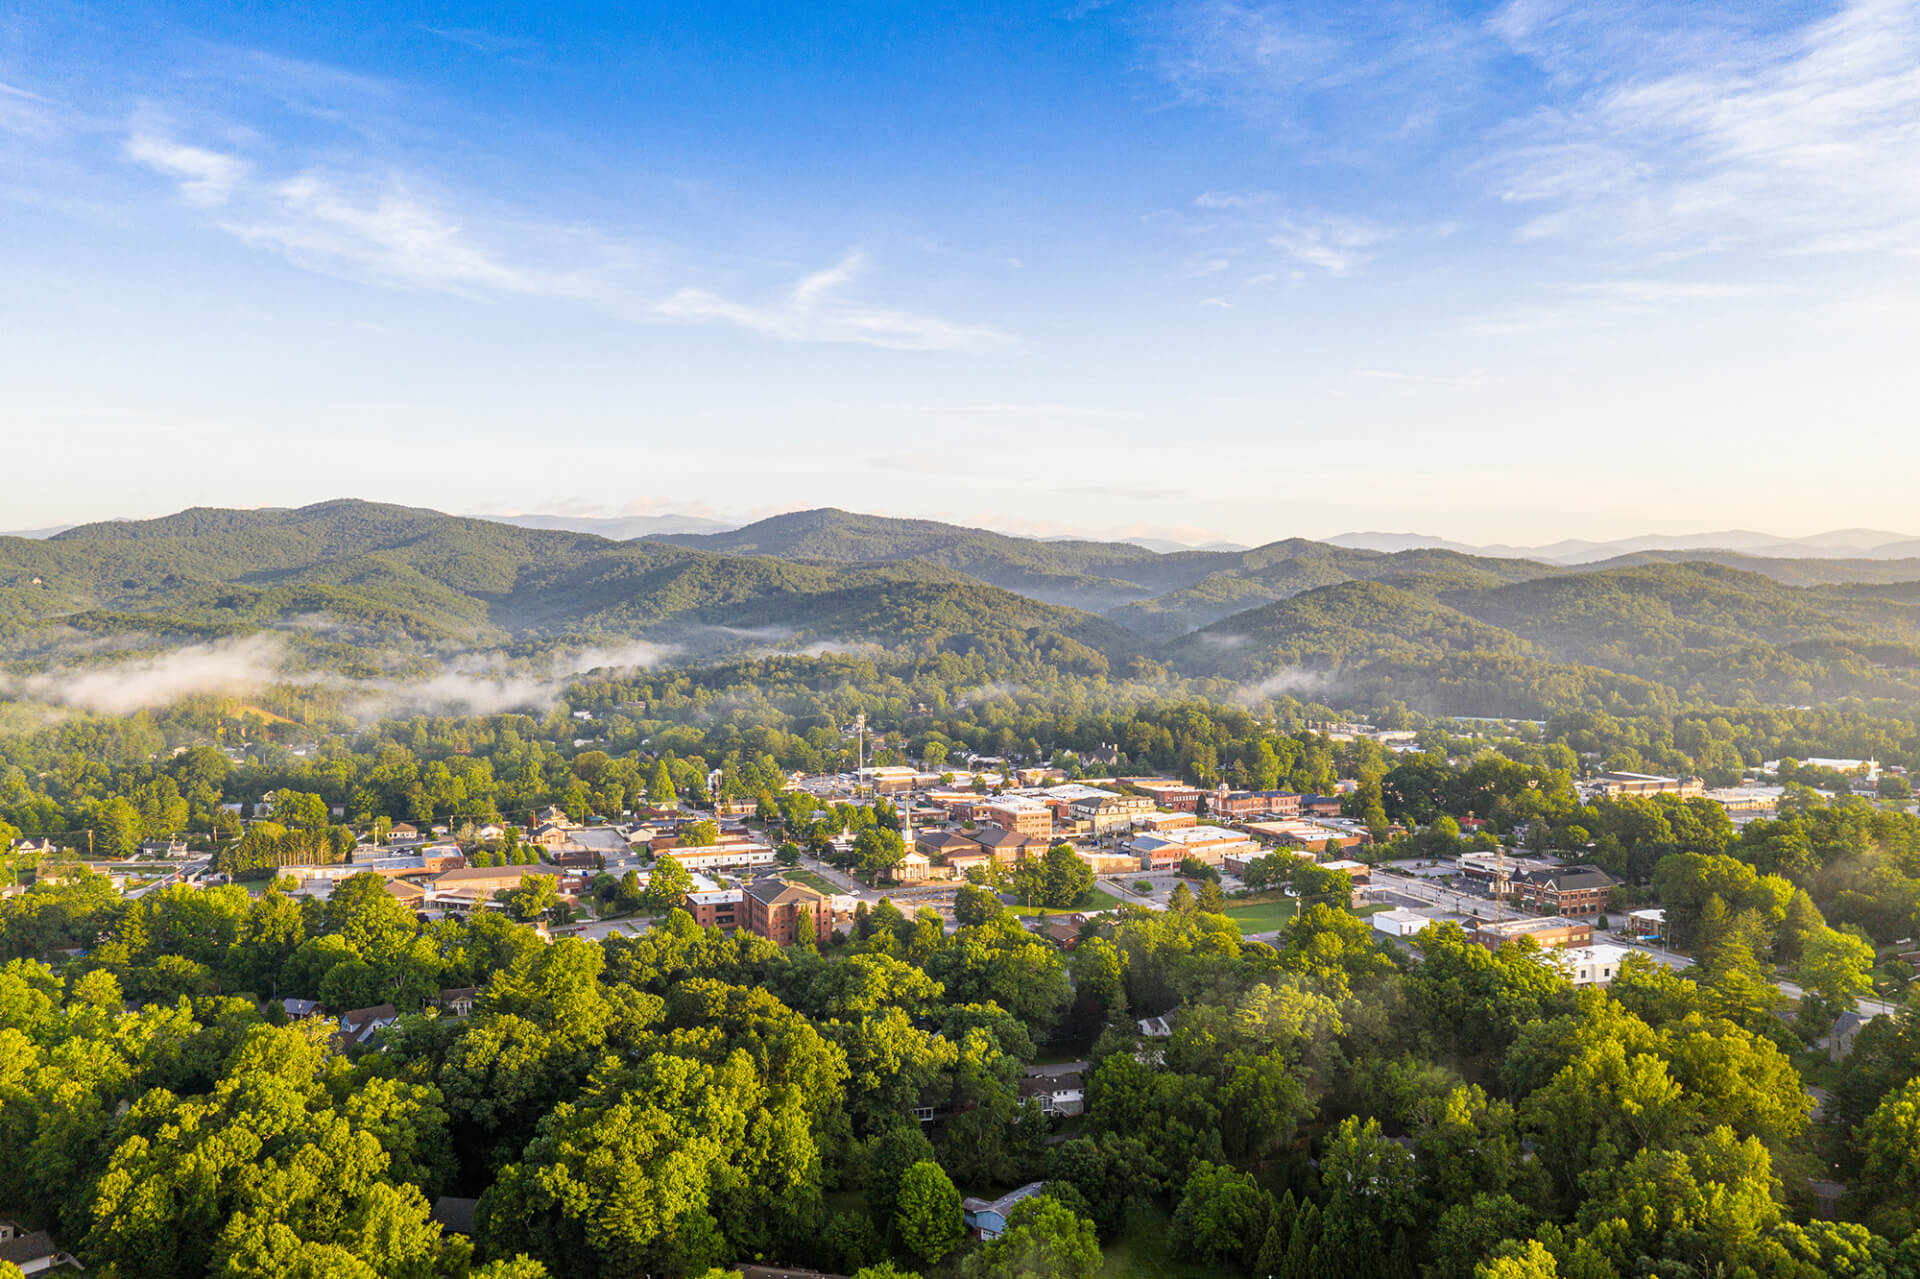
(1157, 595)
(359, 584)
(1644, 636)
(397, 575)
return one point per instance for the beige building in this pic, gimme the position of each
(1018, 814)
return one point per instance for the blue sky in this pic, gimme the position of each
(1514, 272)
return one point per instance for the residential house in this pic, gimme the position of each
(163, 848)
(1062, 930)
(298, 1008)
(33, 1252)
(1846, 1028)
(1062, 1095)
(402, 830)
(987, 1219)
(458, 1001)
(548, 835)
(358, 1027)
(1160, 1027)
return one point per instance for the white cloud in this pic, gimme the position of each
(1252, 224)
(1803, 141)
(382, 230)
(1339, 79)
(1335, 245)
(206, 178)
(814, 311)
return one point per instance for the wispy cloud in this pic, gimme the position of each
(206, 178)
(383, 227)
(378, 228)
(815, 310)
(1339, 80)
(482, 41)
(1332, 244)
(374, 227)
(1265, 232)
(1804, 140)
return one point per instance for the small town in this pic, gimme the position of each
(1167, 639)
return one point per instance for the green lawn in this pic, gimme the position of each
(1098, 899)
(1262, 914)
(819, 883)
(1140, 1251)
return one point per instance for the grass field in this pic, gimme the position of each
(1262, 914)
(819, 883)
(1140, 1251)
(1098, 899)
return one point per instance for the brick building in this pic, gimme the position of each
(1576, 891)
(1241, 804)
(1018, 814)
(773, 908)
(717, 909)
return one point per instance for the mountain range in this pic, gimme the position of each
(1851, 543)
(367, 588)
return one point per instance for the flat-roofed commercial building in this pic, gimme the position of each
(1549, 932)
(717, 909)
(1019, 814)
(1210, 844)
(721, 856)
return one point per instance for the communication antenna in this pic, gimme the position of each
(860, 771)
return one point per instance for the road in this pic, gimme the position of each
(186, 874)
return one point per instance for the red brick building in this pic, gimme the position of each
(1253, 803)
(772, 909)
(1581, 890)
(721, 908)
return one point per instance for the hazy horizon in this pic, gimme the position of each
(1817, 543)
